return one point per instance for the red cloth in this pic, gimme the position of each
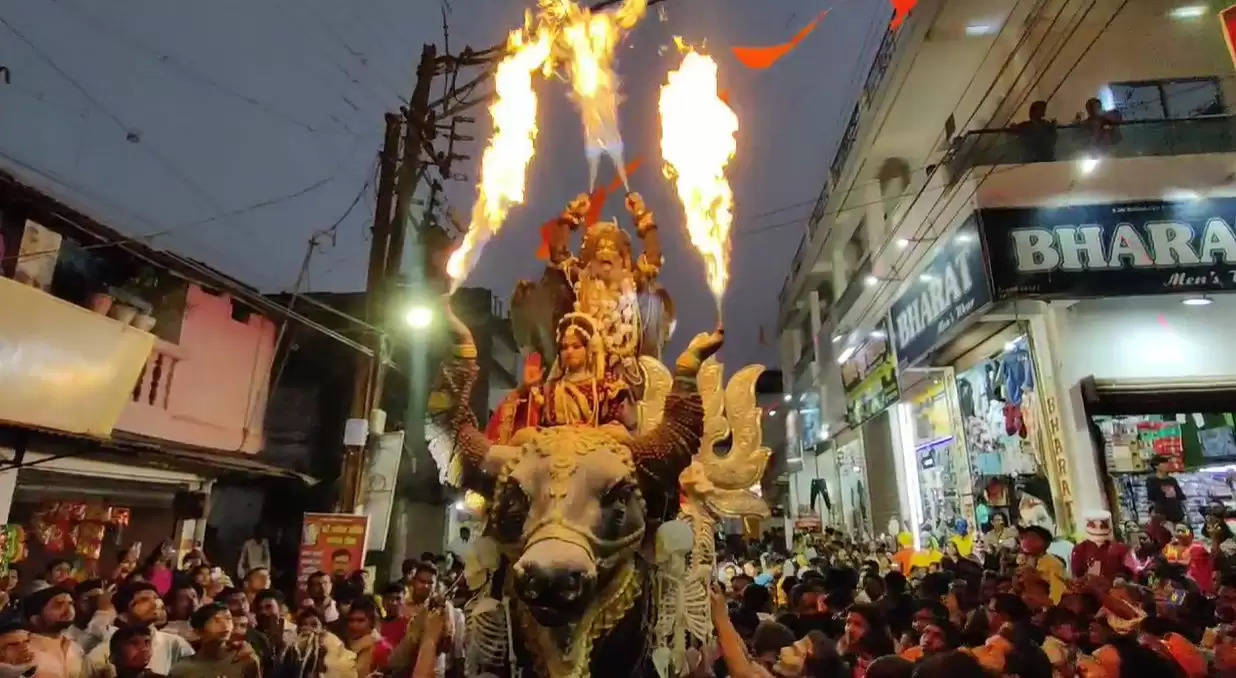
(1201, 567)
(1110, 557)
(394, 630)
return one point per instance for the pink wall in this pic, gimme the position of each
(210, 390)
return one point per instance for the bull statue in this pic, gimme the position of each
(570, 505)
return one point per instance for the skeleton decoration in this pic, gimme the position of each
(569, 505)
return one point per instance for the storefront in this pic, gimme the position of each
(869, 379)
(1140, 352)
(969, 434)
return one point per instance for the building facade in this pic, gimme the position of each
(133, 382)
(1020, 255)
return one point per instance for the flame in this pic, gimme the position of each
(586, 42)
(697, 142)
(504, 163)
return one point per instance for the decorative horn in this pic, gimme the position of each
(663, 452)
(464, 456)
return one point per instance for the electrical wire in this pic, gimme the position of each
(928, 227)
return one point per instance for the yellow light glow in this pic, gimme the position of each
(697, 142)
(504, 163)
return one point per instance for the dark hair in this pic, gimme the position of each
(800, 590)
(10, 624)
(87, 586)
(1040, 531)
(890, 666)
(268, 593)
(367, 607)
(341, 552)
(409, 566)
(427, 567)
(33, 604)
(228, 593)
(1011, 606)
(255, 569)
(755, 598)
(126, 594)
(743, 577)
(316, 575)
(951, 664)
(896, 582)
(204, 613)
(56, 562)
(427, 556)
(392, 588)
(876, 642)
(124, 634)
(306, 612)
(771, 636)
(952, 636)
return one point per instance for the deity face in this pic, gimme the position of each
(574, 351)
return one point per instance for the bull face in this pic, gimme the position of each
(568, 511)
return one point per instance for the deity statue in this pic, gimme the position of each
(581, 389)
(521, 408)
(606, 281)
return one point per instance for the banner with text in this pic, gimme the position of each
(333, 543)
(952, 287)
(1112, 249)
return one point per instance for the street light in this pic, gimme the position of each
(418, 316)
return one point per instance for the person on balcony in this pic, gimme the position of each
(1038, 134)
(1104, 126)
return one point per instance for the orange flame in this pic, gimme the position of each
(697, 142)
(504, 163)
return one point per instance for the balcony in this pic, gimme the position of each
(1150, 138)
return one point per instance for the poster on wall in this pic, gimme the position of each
(951, 288)
(869, 378)
(36, 259)
(1112, 249)
(333, 543)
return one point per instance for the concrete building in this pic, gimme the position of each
(953, 245)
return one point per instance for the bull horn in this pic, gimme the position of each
(661, 454)
(464, 456)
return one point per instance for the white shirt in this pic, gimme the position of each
(254, 553)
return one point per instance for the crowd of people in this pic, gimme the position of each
(1162, 603)
(1005, 602)
(194, 621)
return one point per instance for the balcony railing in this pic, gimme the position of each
(155, 382)
(1142, 138)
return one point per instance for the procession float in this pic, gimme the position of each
(605, 474)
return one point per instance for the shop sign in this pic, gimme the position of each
(333, 543)
(1058, 459)
(951, 288)
(870, 379)
(1113, 249)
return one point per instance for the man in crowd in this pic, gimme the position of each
(49, 612)
(318, 590)
(461, 545)
(218, 655)
(131, 650)
(372, 650)
(16, 657)
(255, 553)
(137, 603)
(58, 570)
(394, 623)
(86, 598)
(256, 580)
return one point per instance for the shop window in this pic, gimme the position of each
(1174, 99)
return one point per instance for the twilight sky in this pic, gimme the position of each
(237, 128)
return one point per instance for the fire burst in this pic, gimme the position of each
(505, 161)
(697, 142)
(582, 41)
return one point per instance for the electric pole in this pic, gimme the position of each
(398, 173)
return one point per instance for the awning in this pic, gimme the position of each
(127, 448)
(1158, 396)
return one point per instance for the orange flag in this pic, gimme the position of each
(901, 10)
(759, 58)
(596, 202)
